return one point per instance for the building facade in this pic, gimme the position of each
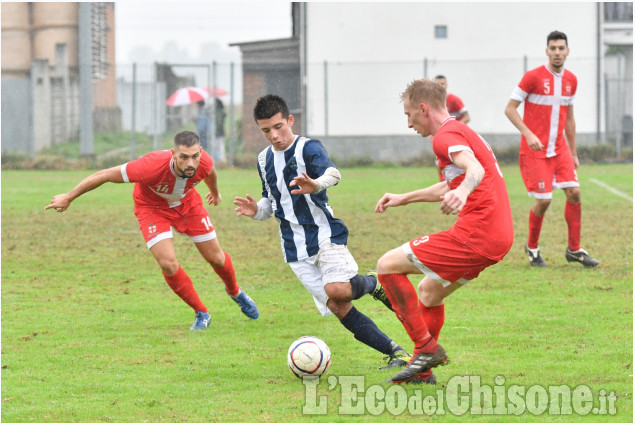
(357, 58)
(40, 73)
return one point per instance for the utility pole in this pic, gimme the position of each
(85, 80)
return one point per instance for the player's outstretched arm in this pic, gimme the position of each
(305, 184)
(213, 197)
(62, 201)
(432, 193)
(246, 206)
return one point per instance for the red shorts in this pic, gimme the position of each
(193, 220)
(444, 259)
(542, 175)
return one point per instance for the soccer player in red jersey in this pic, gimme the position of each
(474, 189)
(455, 105)
(546, 159)
(165, 198)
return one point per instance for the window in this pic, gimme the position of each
(618, 12)
(440, 31)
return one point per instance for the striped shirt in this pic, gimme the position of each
(306, 221)
(547, 96)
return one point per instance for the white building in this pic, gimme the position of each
(357, 58)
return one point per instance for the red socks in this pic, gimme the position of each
(405, 302)
(228, 276)
(182, 286)
(535, 225)
(573, 216)
(434, 318)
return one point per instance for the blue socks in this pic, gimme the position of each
(362, 285)
(366, 331)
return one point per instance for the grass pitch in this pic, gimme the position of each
(92, 333)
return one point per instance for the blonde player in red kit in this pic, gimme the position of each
(474, 189)
(548, 161)
(165, 199)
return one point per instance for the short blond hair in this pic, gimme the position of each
(425, 91)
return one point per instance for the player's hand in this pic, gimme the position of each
(386, 201)
(576, 160)
(246, 206)
(453, 201)
(534, 142)
(59, 203)
(213, 198)
(306, 184)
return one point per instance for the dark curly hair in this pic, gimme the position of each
(269, 105)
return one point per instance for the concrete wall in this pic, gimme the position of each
(16, 109)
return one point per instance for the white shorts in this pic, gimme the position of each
(333, 263)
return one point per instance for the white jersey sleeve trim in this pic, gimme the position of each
(458, 148)
(124, 173)
(518, 94)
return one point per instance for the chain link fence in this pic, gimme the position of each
(344, 101)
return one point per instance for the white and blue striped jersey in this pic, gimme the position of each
(306, 221)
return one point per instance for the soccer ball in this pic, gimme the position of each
(308, 357)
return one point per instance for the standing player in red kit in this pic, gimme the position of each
(455, 105)
(546, 159)
(165, 198)
(474, 189)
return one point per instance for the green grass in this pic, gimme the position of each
(91, 332)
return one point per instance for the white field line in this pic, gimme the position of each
(611, 189)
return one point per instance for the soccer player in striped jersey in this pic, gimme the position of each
(474, 189)
(295, 173)
(165, 198)
(546, 159)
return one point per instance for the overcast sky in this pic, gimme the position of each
(180, 28)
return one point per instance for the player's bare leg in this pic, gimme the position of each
(180, 282)
(222, 264)
(432, 293)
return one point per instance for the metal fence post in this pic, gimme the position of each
(133, 122)
(326, 99)
(618, 121)
(606, 108)
(154, 101)
(85, 81)
(232, 142)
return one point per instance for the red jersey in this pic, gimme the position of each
(485, 222)
(547, 96)
(455, 105)
(156, 184)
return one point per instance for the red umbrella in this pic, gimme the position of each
(219, 92)
(186, 96)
